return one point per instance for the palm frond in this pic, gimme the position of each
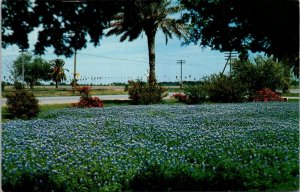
(173, 26)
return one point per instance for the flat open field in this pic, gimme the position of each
(248, 146)
(47, 91)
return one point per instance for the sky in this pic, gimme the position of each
(115, 61)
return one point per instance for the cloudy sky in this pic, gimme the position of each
(114, 61)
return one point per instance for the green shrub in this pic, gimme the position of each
(260, 73)
(18, 85)
(195, 93)
(223, 88)
(3, 84)
(142, 93)
(22, 104)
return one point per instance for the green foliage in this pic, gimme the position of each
(195, 93)
(247, 26)
(18, 85)
(56, 20)
(142, 93)
(58, 72)
(139, 16)
(223, 88)
(22, 104)
(34, 69)
(295, 82)
(261, 73)
(3, 84)
(17, 22)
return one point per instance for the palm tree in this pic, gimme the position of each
(139, 16)
(58, 72)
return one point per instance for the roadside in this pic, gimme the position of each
(74, 99)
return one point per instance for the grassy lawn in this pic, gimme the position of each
(46, 91)
(290, 95)
(295, 87)
(49, 107)
(244, 146)
(43, 91)
(107, 103)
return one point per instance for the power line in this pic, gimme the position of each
(229, 56)
(114, 58)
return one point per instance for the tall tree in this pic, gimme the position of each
(147, 16)
(66, 26)
(58, 72)
(35, 69)
(270, 26)
(18, 20)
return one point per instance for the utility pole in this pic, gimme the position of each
(229, 56)
(180, 62)
(74, 77)
(23, 68)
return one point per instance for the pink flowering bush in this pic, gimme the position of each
(267, 95)
(86, 101)
(181, 97)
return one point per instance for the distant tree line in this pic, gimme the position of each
(36, 69)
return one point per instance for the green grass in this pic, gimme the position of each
(290, 95)
(293, 100)
(295, 87)
(48, 107)
(110, 103)
(170, 89)
(6, 116)
(44, 91)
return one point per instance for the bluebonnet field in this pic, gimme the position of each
(249, 146)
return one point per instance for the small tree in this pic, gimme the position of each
(223, 88)
(262, 73)
(35, 69)
(58, 72)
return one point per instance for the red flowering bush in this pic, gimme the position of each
(84, 91)
(181, 97)
(89, 102)
(86, 101)
(267, 95)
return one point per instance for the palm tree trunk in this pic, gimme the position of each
(151, 51)
(56, 84)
